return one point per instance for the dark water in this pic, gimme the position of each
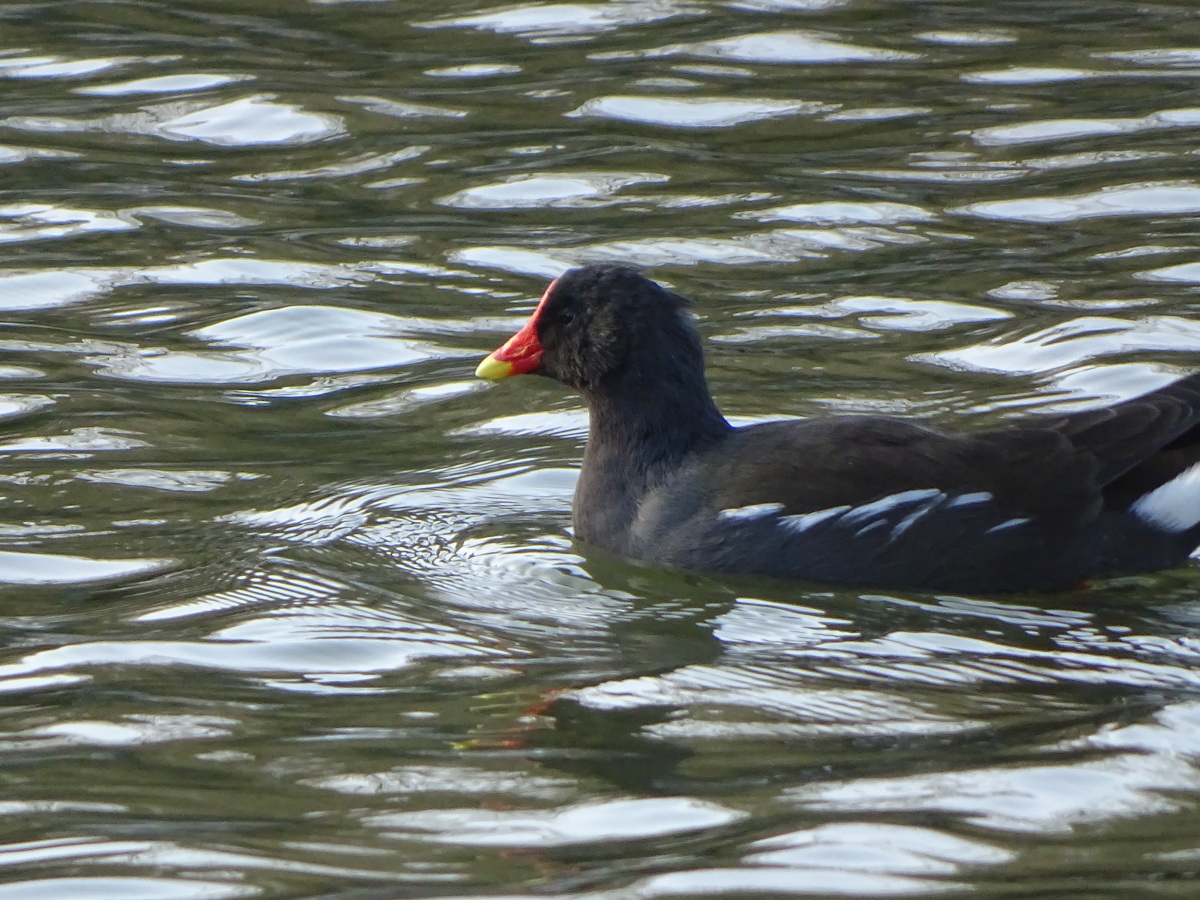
(290, 605)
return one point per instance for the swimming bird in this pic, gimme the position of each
(862, 500)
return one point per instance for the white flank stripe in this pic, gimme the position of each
(878, 523)
(805, 521)
(1174, 506)
(970, 499)
(886, 504)
(1011, 523)
(904, 524)
(757, 511)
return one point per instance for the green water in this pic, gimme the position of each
(290, 604)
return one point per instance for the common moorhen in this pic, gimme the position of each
(858, 499)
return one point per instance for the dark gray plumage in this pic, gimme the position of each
(865, 500)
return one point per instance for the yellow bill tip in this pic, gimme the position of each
(493, 369)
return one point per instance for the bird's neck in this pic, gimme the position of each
(641, 431)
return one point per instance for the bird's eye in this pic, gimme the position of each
(566, 316)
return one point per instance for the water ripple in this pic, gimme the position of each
(780, 245)
(617, 819)
(795, 47)
(1137, 199)
(844, 213)
(1038, 799)
(293, 602)
(569, 190)
(567, 19)
(48, 568)
(288, 341)
(257, 119)
(163, 84)
(12, 66)
(125, 888)
(693, 112)
(32, 222)
(1064, 129)
(1074, 342)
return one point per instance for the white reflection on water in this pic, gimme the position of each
(757, 333)
(245, 270)
(429, 779)
(161, 855)
(131, 730)
(567, 18)
(513, 259)
(474, 70)
(279, 584)
(163, 84)
(1056, 74)
(563, 423)
(890, 313)
(876, 847)
(175, 481)
(886, 313)
(366, 162)
(585, 823)
(452, 535)
(786, 5)
(13, 405)
(36, 289)
(191, 216)
(969, 168)
(1038, 798)
(1029, 75)
(777, 47)
(57, 66)
(792, 672)
(844, 859)
(403, 110)
(783, 703)
(1187, 273)
(693, 112)
(290, 340)
(781, 880)
(1073, 342)
(37, 221)
(835, 213)
(876, 113)
(1025, 290)
(580, 190)
(407, 400)
(1183, 57)
(324, 649)
(556, 191)
(12, 155)
(124, 888)
(967, 38)
(258, 119)
(54, 568)
(1143, 250)
(1064, 129)
(781, 245)
(1137, 199)
(81, 441)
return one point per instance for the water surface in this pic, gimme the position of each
(291, 605)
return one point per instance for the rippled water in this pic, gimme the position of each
(290, 604)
